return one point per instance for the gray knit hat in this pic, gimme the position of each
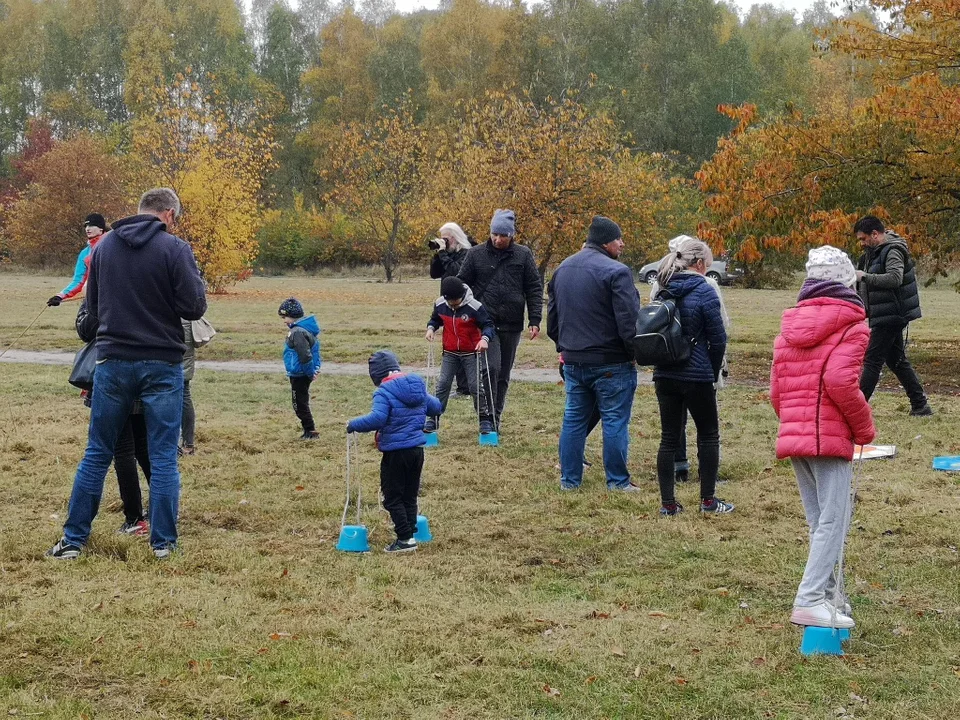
(504, 222)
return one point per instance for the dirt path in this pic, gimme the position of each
(31, 357)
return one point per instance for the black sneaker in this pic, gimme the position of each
(924, 411)
(671, 509)
(430, 425)
(310, 435)
(63, 551)
(399, 546)
(716, 505)
(486, 426)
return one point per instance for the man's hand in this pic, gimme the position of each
(860, 274)
(54, 301)
(483, 344)
(430, 334)
(534, 332)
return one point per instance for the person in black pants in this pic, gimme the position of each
(401, 404)
(689, 386)
(887, 284)
(504, 277)
(301, 358)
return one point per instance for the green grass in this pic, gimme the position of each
(525, 591)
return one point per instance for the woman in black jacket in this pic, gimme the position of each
(447, 260)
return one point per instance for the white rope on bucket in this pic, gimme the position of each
(485, 393)
(430, 371)
(353, 477)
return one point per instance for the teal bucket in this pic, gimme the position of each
(491, 438)
(823, 640)
(354, 538)
(422, 534)
(431, 439)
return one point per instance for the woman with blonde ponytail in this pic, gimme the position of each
(690, 385)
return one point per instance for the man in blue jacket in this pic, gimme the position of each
(592, 310)
(142, 281)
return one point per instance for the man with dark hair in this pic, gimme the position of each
(94, 227)
(142, 281)
(504, 277)
(592, 317)
(887, 283)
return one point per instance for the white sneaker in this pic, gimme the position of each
(822, 615)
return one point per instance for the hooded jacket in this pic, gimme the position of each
(463, 327)
(301, 352)
(592, 308)
(700, 315)
(142, 281)
(505, 280)
(814, 379)
(400, 408)
(80, 271)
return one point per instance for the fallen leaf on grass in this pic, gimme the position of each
(23, 655)
(194, 667)
(680, 680)
(188, 624)
(226, 677)
(902, 631)
(284, 573)
(551, 691)
(618, 651)
(262, 651)
(590, 680)
(758, 661)
(280, 635)
(657, 613)
(722, 591)
(298, 488)
(599, 615)
(638, 671)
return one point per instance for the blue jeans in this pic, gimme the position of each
(609, 388)
(116, 384)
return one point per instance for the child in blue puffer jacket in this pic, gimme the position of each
(401, 404)
(301, 358)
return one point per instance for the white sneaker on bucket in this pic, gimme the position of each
(821, 615)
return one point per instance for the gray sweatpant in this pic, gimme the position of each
(824, 484)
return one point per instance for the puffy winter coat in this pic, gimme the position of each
(463, 327)
(505, 280)
(700, 316)
(815, 380)
(446, 263)
(301, 351)
(889, 287)
(400, 408)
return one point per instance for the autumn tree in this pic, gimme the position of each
(73, 179)
(555, 166)
(776, 187)
(216, 168)
(376, 173)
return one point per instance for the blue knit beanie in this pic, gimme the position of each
(291, 308)
(381, 364)
(503, 223)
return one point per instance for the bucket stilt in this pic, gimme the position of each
(431, 438)
(423, 533)
(823, 640)
(354, 538)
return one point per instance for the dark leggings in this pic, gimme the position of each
(675, 398)
(300, 391)
(400, 482)
(130, 451)
(189, 423)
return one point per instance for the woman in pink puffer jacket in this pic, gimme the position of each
(814, 388)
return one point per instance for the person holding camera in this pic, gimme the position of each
(449, 253)
(451, 249)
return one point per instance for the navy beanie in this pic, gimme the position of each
(381, 364)
(602, 231)
(452, 288)
(503, 223)
(96, 220)
(291, 308)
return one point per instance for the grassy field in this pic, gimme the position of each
(528, 604)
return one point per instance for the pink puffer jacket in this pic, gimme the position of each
(814, 381)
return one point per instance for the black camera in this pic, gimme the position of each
(435, 244)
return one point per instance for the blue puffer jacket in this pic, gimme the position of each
(699, 307)
(400, 408)
(301, 351)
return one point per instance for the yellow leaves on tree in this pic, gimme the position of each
(376, 172)
(555, 165)
(216, 168)
(779, 187)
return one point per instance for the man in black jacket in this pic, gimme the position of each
(142, 281)
(887, 283)
(592, 317)
(504, 277)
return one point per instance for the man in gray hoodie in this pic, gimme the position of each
(887, 283)
(142, 281)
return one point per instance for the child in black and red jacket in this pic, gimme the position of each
(467, 330)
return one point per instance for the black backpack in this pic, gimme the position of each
(659, 339)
